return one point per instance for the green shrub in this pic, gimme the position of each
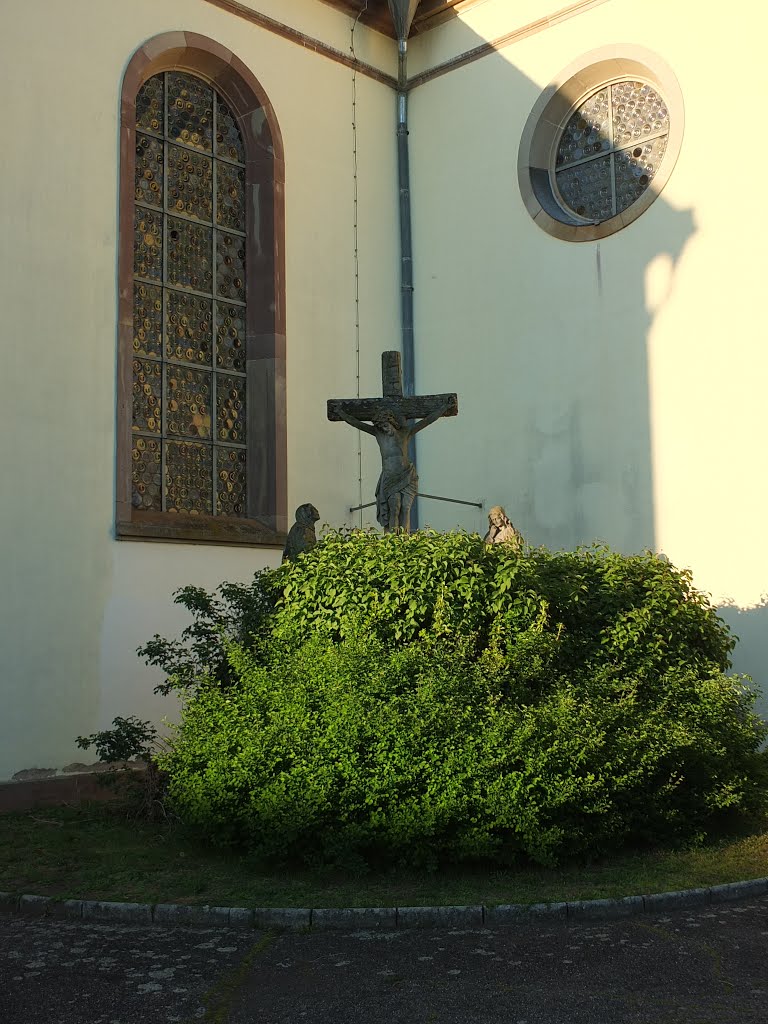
(352, 750)
(234, 612)
(550, 610)
(427, 698)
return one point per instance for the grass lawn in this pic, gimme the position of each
(98, 851)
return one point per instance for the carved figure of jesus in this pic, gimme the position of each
(398, 482)
(393, 420)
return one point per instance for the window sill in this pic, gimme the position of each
(153, 526)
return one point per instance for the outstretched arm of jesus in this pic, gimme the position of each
(440, 411)
(355, 422)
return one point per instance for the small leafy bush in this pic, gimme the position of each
(427, 698)
(130, 740)
(235, 611)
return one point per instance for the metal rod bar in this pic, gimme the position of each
(184, 364)
(155, 435)
(181, 215)
(435, 497)
(188, 291)
(604, 153)
(455, 501)
(164, 312)
(214, 275)
(190, 149)
(612, 161)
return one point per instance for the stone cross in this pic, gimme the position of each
(394, 419)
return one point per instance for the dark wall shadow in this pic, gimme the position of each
(750, 626)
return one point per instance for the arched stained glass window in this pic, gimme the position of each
(205, 452)
(189, 386)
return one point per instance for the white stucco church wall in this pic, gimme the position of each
(607, 390)
(75, 602)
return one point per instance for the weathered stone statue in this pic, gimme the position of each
(392, 424)
(501, 530)
(301, 536)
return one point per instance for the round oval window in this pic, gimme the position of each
(610, 150)
(600, 144)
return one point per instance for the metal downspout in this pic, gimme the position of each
(406, 245)
(402, 12)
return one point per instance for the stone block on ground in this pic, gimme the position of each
(191, 917)
(106, 910)
(34, 906)
(440, 917)
(240, 917)
(628, 906)
(676, 899)
(284, 919)
(354, 918)
(739, 890)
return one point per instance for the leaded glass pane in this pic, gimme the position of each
(635, 168)
(196, 418)
(149, 106)
(587, 132)
(189, 255)
(229, 144)
(146, 470)
(147, 320)
(189, 402)
(628, 119)
(586, 189)
(148, 244)
(230, 337)
(188, 478)
(190, 116)
(230, 266)
(230, 482)
(147, 390)
(149, 170)
(188, 328)
(230, 408)
(190, 183)
(230, 197)
(638, 111)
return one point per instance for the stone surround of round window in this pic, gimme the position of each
(600, 143)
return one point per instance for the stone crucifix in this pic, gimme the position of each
(394, 419)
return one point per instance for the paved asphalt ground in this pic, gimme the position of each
(703, 966)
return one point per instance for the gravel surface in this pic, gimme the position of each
(697, 966)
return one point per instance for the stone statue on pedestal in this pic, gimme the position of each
(301, 536)
(501, 530)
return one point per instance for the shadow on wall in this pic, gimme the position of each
(750, 657)
(549, 338)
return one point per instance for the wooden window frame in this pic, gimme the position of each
(266, 523)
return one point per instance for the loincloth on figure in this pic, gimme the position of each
(405, 483)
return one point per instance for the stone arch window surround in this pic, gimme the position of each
(266, 520)
(549, 116)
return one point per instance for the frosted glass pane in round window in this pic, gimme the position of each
(610, 150)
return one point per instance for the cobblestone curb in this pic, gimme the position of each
(371, 918)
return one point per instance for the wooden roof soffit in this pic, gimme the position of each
(429, 13)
